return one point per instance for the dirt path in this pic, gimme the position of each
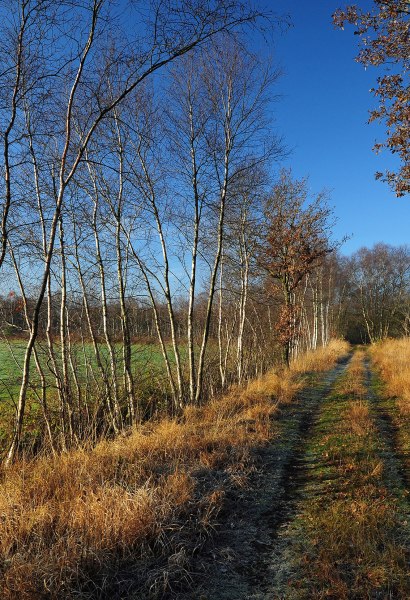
(236, 566)
(328, 513)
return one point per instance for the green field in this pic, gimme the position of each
(147, 365)
(147, 362)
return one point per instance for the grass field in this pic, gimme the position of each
(147, 365)
(146, 358)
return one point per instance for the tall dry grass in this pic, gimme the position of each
(392, 358)
(321, 359)
(128, 514)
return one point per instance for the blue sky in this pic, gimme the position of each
(323, 116)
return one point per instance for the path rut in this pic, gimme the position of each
(237, 567)
(255, 555)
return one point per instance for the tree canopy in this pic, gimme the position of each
(385, 43)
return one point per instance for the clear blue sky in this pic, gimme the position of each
(323, 117)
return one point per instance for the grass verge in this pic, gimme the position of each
(125, 518)
(392, 361)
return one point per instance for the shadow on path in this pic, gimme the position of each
(235, 567)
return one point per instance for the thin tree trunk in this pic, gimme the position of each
(244, 269)
(194, 254)
(128, 378)
(145, 273)
(40, 370)
(166, 273)
(211, 291)
(8, 132)
(66, 396)
(97, 354)
(104, 307)
(63, 181)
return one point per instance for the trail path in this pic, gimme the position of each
(328, 513)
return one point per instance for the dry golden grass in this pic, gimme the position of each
(392, 357)
(321, 359)
(70, 526)
(359, 535)
(352, 383)
(358, 418)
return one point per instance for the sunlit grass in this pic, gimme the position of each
(350, 538)
(148, 499)
(352, 384)
(392, 357)
(146, 358)
(392, 361)
(321, 359)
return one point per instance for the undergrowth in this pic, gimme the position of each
(125, 518)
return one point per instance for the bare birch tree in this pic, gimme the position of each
(72, 43)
